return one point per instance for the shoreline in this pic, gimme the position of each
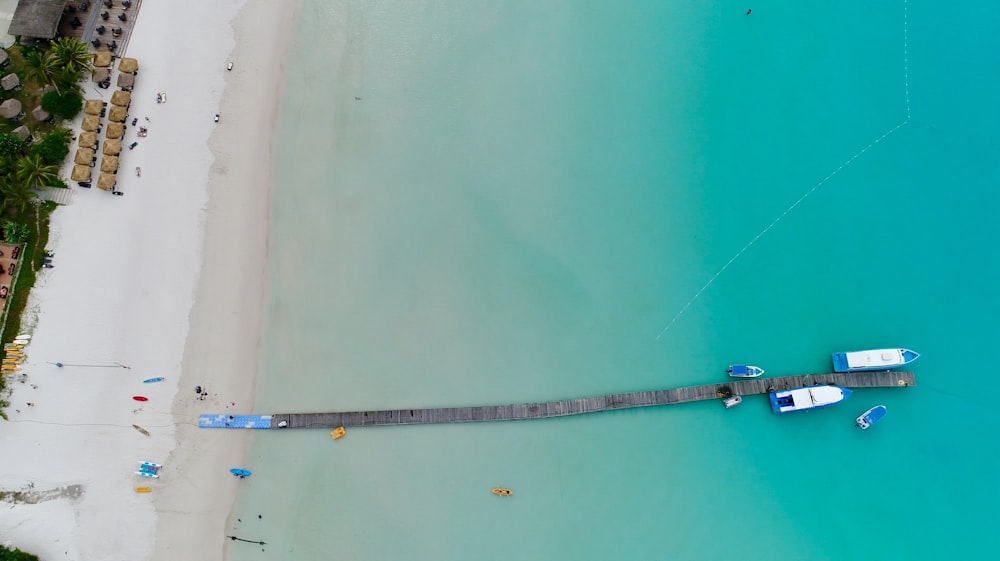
(225, 328)
(153, 281)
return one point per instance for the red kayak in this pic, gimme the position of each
(140, 398)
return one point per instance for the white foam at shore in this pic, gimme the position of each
(126, 275)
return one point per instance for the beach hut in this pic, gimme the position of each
(84, 157)
(10, 82)
(11, 109)
(109, 164)
(102, 59)
(41, 115)
(115, 130)
(101, 74)
(24, 133)
(126, 81)
(91, 123)
(121, 99)
(107, 181)
(117, 114)
(112, 147)
(128, 65)
(81, 173)
(93, 106)
(88, 140)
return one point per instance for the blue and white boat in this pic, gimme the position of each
(870, 417)
(809, 397)
(877, 359)
(744, 371)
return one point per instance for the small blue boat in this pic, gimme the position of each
(240, 472)
(877, 359)
(744, 371)
(870, 417)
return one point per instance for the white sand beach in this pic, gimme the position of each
(166, 280)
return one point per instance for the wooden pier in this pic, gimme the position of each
(754, 386)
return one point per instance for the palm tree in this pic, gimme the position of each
(34, 174)
(37, 66)
(17, 194)
(71, 54)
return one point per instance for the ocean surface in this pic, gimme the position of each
(501, 202)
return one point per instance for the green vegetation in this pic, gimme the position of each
(15, 555)
(63, 105)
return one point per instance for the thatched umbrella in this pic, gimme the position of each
(91, 123)
(115, 130)
(84, 156)
(126, 81)
(102, 59)
(109, 164)
(81, 173)
(117, 114)
(23, 132)
(107, 181)
(93, 106)
(10, 82)
(112, 147)
(88, 139)
(128, 65)
(10, 109)
(40, 114)
(121, 98)
(101, 74)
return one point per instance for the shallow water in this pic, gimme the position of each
(541, 202)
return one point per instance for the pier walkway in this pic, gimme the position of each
(754, 386)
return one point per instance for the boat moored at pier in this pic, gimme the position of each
(877, 359)
(807, 398)
(744, 371)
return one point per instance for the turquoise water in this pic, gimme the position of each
(535, 202)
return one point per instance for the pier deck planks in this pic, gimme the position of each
(753, 386)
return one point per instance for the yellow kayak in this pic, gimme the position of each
(143, 489)
(502, 491)
(338, 432)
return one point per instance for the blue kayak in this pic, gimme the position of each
(153, 380)
(240, 472)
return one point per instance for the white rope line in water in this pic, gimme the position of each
(847, 162)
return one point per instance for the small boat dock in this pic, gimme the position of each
(755, 386)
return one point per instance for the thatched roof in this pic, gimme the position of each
(40, 114)
(121, 98)
(88, 139)
(23, 132)
(10, 82)
(117, 114)
(36, 18)
(10, 108)
(81, 173)
(115, 130)
(126, 80)
(93, 106)
(109, 164)
(113, 147)
(101, 74)
(91, 123)
(128, 65)
(84, 156)
(107, 181)
(102, 59)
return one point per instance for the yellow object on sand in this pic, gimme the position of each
(338, 432)
(502, 491)
(143, 489)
